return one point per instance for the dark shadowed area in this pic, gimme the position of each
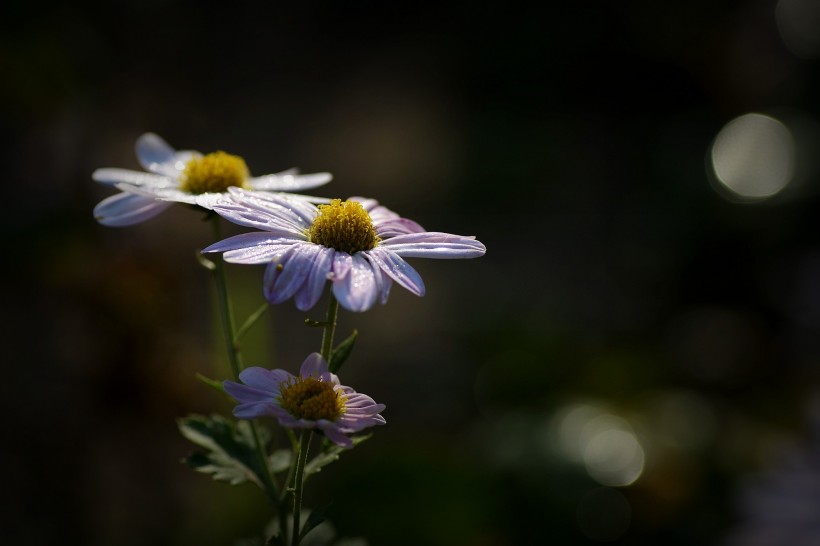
(634, 361)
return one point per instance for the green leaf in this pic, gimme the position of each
(316, 518)
(279, 460)
(213, 383)
(205, 262)
(329, 455)
(275, 540)
(229, 455)
(342, 351)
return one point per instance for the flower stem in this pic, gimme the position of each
(235, 359)
(225, 312)
(330, 327)
(299, 482)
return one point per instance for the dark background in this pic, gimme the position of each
(571, 139)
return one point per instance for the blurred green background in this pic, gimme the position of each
(634, 361)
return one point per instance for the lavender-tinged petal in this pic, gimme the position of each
(279, 205)
(314, 285)
(334, 434)
(257, 255)
(156, 155)
(283, 278)
(395, 227)
(342, 263)
(379, 278)
(173, 194)
(286, 419)
(252, 410)
(385, 294)
(248, 240)
(111, 176)
(314, 365)
(289, 182)
(381, 215)
(432, 237)
(297, 268)
(359, 400)
(399, 270)
(357, 424)
(433, 244)
(296, 209)
(127, 209)
(357, 291)
(312, 199)
(164, 194)
(245, 394)
(261, 378)
(264, 220)
(153, 152)
(365, 413)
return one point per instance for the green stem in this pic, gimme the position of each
(225, 312)
(235, 359)
(330, 327)
(251, 321)
(288, 490)
(301, 448)
(299, 482)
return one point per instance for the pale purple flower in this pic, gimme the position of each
(357, 245)
(146, 194)
(313, 400)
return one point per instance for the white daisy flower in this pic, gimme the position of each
(185, 176)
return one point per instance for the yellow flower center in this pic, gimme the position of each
(309, 398)
(344, 226)
(214, 173)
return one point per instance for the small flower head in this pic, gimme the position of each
(214, 173)
(357, 245)
(185, 177)
(312, 400)
(343, 226)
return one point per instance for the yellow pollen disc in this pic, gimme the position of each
(344, 226)
(309, 398)
(214, 173)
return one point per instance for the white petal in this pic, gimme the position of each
(164, 194)
(210, 200)
(135, 178)
(289, 182)
(399, 270)
(155, 155)
(126, 209)
(435, 245)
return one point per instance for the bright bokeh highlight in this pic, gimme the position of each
(753, 157)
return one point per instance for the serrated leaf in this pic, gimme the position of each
(230, 453)
(342, 351)
(329, 455)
